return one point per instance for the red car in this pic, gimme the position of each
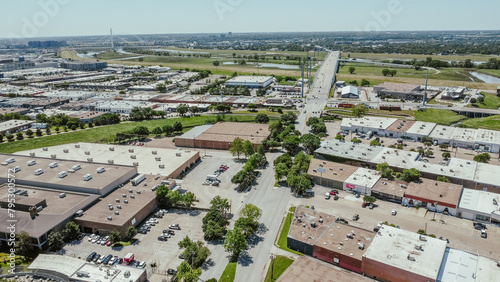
(364, 205)
(333, 193)
(108, 243)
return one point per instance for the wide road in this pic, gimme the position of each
(319, 92)
(273, 203)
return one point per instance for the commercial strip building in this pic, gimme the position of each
(117, 106)
(362, 181)
(335, 175)
(399, 90)
(250, 81)
(64, 175)
(14, 125)
(51, 211)
(168, 163)
(222, 134)
(83, 65)
(480, 205)
(67, 268)
(477, 139)
(398, 255)
(434, 195)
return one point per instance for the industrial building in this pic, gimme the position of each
(117, 106)
(335, 175)
(127, 206)
(52, 210)
(220, 135)
(65, 175)
(250, 81)
(157, 161)
(454, 93)
(361, 181)
(480, 205)
(398, 255)
(14, 125)
(66, 268)
(399, 90)
(390, 190)
(434, 195)
(349, 92)
(83, 65)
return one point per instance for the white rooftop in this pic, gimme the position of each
(480, 201)
(487, 174)
(363, 177)
(467, 135)
(421, 128)
(255, 79)
(369, 122)
(487, 270)
(397, 248)
(350, 89)
(458, 266)
(488, 136)
(442, 132)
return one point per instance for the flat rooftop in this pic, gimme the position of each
(122, 155)
(480, 201)
(334, 171)
(50, 176)
(487, 173)
(488, 136)
(251, 79)
(302, 229)
(397, 248)
(458, 266)
(467, 135)
(137, 197)
(445, 194)
(390, 187)
(487, 269)
(305, 268)
(442, 132)
(195, 132)
(347, 240)
(398, 87)
(56, 211)
(228, 131)
(421, 128)
(401, 125)
(363, 177)
(369, 122)
(14, 123)
(349, 150)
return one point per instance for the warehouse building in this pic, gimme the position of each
(399, 90)
(390, 190)
(220, 135)
(250, 81)
(365, 124)
(52, 210)
(343, 245)
(12, 126)
(66, 268)
(157, 161)
(83, 65)
(126, 206)
(307, 227)
(334, 176)
(399, 255)
(349, 92)
(458, 266)
(362, 181)
(480, 205)
(434, 195)
(65, 175)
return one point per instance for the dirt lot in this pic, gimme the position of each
(460, 232)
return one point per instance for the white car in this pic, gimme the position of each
(394, 212)
(327, 195)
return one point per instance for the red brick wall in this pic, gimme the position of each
(384, 272)
(328, 255)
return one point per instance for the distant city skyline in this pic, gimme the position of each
(54, 18)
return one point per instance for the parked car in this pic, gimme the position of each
(479, 226)
(119, 261)
(327, 196)
(340, 219)
(364, 205)
(174, 226)
(162, 238)
(335, 197)
(91, 256)
(483, 234)
(394, 212)
(168, 231)
(108, 243)
(171, 271)
(332, 192)
(112, 260)
(355, 217)
(96, 258)
(142, 264)
(371, 206)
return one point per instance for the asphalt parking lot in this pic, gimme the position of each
(460, 232)
(147, 247)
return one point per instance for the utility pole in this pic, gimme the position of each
(425, 91)
(112, 43)
(302, 79)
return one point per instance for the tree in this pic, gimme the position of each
(185, 273)
(235, 242)
(168, 130)
(157, 131)
(9, 137)
(248, 149)
(177, 127)
(365, 82)
(319, 128)
(410, 175)
(252, 107)
(369, 199)
(160, 87)
(114, 236)
(446, 155)
(393, 72)
(291, 143)
(375, 143)
(71, 231)
(386, 172)
(212, 230)
(39, 132)
(216, 63)
(443, 179)
(359, 110)
(444, 146)
(473, 100)
(339, 137)
(251, 211)
(23, 243)
(194, 109)
(261, 118)
(19, 136)
(1, 138)
(47, 130)
(220, 204)
(280, 171)
(194, 253)
(288, 118)
(351, 70)
(310, 142)
(428, 153)
(483, 158)
(55, 241)
(131, 232)
(480, 99)
(356, 140)
(237, 147)
(182, 109)
(247, 225)
(386, 72)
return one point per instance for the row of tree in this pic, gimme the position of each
(247, 175)
(170, 199)
(295, 171)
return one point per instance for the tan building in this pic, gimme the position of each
(220, 135)
(434, 195)
(335, 175)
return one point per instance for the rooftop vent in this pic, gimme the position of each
(111, 161)
(90, 160)
(158, 159)
(411, 258)
(32, 154)
(313, 224)
(111, 148)
(154, 153)
(135, 163)
(130, 150)
(161, 166)
(87, 153)
(53, 156)
(361, 246)
(66, 151)
(77, 145)
(133, 157)
(45, 149)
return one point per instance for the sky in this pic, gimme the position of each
(49, 18)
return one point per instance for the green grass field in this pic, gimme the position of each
(382, 56)
(366, 69)
(491, 123)
(490, 101)
(277, 268)
(284, 232)
(106, 134)
(229, 272)
(444, 117)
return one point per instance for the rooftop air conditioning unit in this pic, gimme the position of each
(66, 151)
(130, 150)
(45, 149)
(125, 201)
(111, 148)
(109, 218)
(87, 153)
(111, 161)
(117, 200)
(133, 157)
(90, 160)
(118, 207)
(135, 164)
(161, 166)
(100, 169)
(132, 196)
(117, 212)
(155, 153)
(158, 159)
(53, 156)
(32, 154)
(77, 145)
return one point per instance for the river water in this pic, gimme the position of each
(485, 77)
